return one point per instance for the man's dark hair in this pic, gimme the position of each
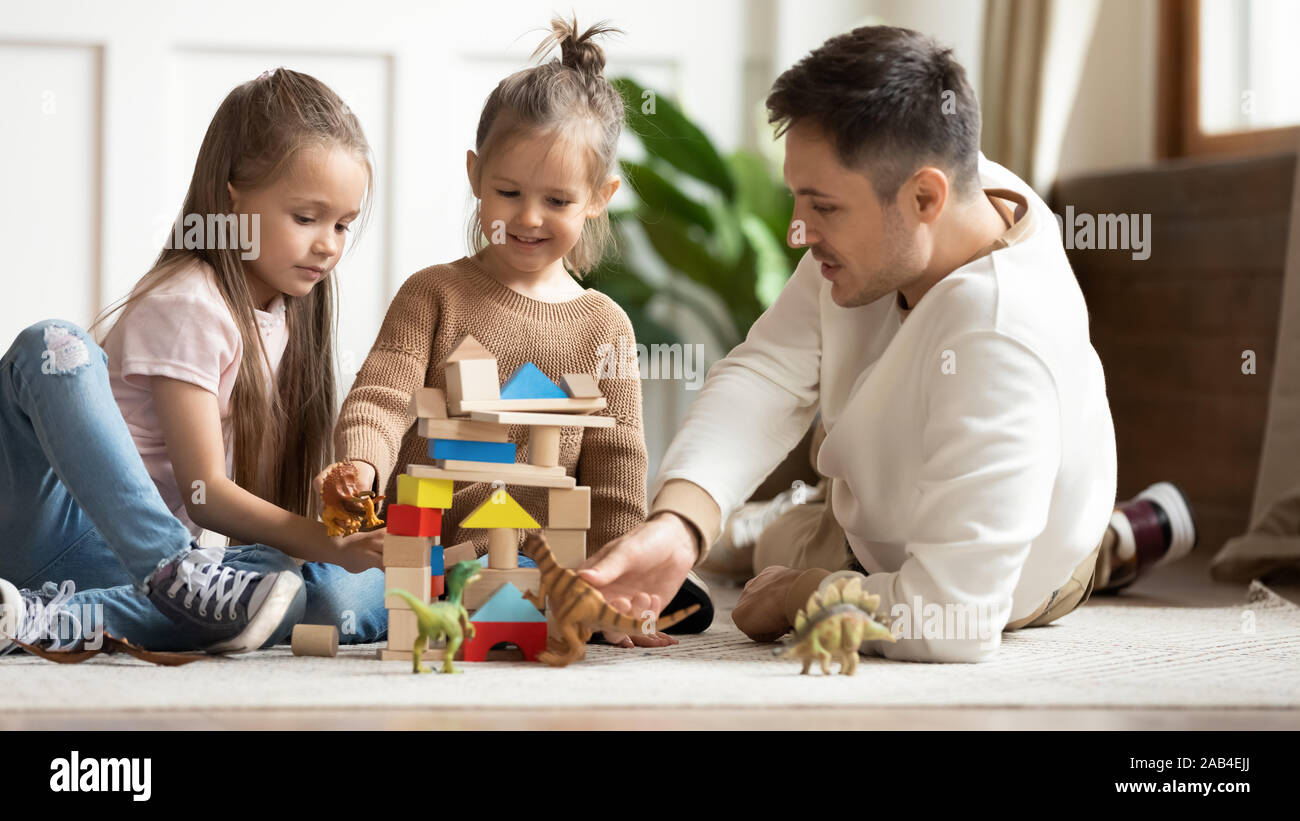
(879, 94)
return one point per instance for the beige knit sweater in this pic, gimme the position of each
(434, 309)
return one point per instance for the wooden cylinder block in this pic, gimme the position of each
(315, 640)
(544, 446)
(503, 548)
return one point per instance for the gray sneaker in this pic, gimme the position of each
(227, 610)
(38, 617)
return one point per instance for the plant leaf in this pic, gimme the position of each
(659, 196)
(772, 264)
(667, 134)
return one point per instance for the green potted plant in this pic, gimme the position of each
(718, 221)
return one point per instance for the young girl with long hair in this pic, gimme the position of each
(221, 368)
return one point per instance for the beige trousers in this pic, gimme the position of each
(808, 536)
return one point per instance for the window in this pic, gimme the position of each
(1227, 73)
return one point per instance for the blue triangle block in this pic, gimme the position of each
(508, 605)
(528, 382)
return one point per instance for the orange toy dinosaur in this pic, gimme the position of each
(348, 508)
(577, 608)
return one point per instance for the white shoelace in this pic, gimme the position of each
(748, 526)
(206, 581)
(41, 619)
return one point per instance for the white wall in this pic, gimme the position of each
(105, 106)
(1113, 122)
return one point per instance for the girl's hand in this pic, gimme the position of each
(365, 473)
(360, 551)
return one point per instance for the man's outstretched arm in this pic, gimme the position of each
(755, 405)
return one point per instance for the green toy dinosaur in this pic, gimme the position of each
(834, 622)
(443, 619)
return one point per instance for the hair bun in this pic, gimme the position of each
(577, 51)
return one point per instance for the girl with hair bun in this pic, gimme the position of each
(542, 174)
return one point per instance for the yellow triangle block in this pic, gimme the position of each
(500, 510)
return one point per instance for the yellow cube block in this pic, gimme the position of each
(413, 490)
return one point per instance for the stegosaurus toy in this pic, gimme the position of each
(833, 624)
(443, 619)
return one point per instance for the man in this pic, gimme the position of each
(937, 326)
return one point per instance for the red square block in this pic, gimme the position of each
(438, 586)
(409, 520)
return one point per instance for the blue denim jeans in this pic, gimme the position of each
(78, 503)
(352, 602)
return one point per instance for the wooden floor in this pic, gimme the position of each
(1186, 583)
(671, 719)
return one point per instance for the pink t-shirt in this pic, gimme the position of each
(182, 330)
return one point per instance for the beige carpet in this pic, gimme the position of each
(1108, 654)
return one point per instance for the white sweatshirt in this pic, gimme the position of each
(970, 437)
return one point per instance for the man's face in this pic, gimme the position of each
(865, 247)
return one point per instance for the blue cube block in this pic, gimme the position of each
(472, 451)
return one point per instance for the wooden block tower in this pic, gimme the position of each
(467, 431)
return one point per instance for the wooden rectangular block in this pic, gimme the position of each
(407, 551)
(463, 407)
(471, 450)
(451, 556)
(473, 380)
(503, 470)
(580, 385)
(489, 431)
(428, 403)
(418, 492)
(568, 509)
(563, 420)
(568, 546)
(408, 520)
(431, 654)
(414, 580)
(436, 654)
(402, 628)
(481, 589)
(480, 473)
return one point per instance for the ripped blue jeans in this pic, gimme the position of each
(76, 502)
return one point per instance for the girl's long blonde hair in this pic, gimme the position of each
(284, 430)
(564, 95)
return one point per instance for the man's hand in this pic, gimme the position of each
(760, 613)
(642, 571)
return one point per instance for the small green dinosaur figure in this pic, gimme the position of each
(834, 622)
(443, 619)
